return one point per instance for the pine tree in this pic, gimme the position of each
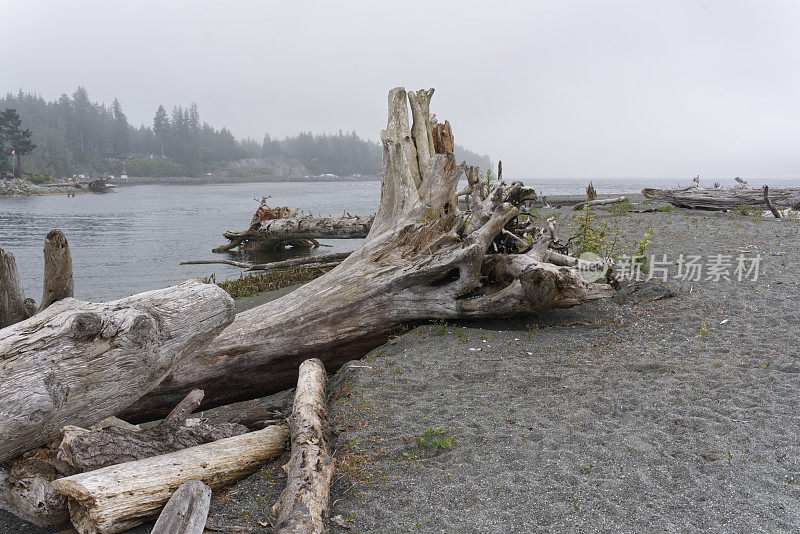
(161, 125)
(18, 140)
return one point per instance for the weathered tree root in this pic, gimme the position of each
(423, 259)
(304, 504)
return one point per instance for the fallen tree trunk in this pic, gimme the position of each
(276, 234)
(423, 259)
(722, 199)
(76, 363)
(304, 504)
(601, 202)
(292, 262)
(186, 511)
(119, 497)
(87, 450)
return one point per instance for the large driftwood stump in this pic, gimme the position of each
(13, 305)
(119, 497)
(423, 259)
(77, 363)
(186, 511)
(58, 281)
(723, 199)
(304, 504)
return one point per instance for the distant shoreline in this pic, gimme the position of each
(191, 180)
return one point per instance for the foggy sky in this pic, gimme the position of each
(554, 89)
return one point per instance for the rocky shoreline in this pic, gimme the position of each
(19, 187)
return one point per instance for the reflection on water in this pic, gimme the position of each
(132, 240)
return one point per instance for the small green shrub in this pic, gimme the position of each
(667, 208)
(621, 208)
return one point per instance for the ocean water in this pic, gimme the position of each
(133, 239)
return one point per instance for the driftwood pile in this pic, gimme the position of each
(719, 199)
(70, 365)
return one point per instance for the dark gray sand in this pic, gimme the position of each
(635, 415)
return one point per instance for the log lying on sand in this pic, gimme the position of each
(423, 259)
(86, 450)
(601, 202)
(25, 482)
(303, 507)
(77, 363)
(303, 231)
(723, 199)
(186, 511)
(119, 497)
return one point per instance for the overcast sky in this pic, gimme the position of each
(554, 89)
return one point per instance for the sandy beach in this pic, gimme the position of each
(672, 407)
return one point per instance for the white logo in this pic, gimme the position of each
(591, 267)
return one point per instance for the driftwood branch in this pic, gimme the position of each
(769, 203)
(292, 262)
(119, 497)
(304, 504)
(76, 363)
(186, 511)
(601, 202)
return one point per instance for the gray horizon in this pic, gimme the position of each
(567, 90)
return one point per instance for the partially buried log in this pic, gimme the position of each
(304, 504)
(723, 199)
(423, 259)
(76, 363)
(186, 511)
(119, 497)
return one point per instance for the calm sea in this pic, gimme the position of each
(132, 240)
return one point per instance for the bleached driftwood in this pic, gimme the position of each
(186, 511)
(119, 497)
(26, 491)
(770, 205)
(723, 199)
(601, 202)
(58, 280)
(423, 259)
(292, 262)
(304, 504)
(76, 363)
(14, 307)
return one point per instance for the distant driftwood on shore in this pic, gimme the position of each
(724, 199)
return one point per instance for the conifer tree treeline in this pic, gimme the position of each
(75, 135)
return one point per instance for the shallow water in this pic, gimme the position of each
(132, 240)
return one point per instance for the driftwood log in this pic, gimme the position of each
(298, 231)
(76, 363)
(58, 280)
(317, 259)
(14, 307)
(186, 511)
(25, 482)
(304, 504)
(770, 205)
(601, 202)
(723, 199)
(119, 497)
(423, 259)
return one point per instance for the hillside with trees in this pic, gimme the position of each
(75, 135)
